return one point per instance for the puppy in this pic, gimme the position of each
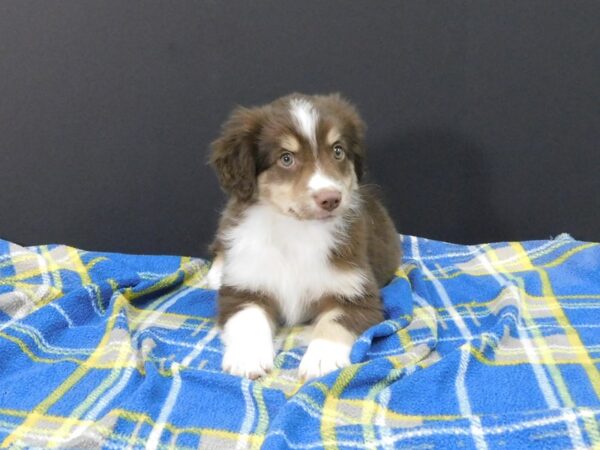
(300, 239)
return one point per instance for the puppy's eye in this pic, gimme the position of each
(286, 159)
(338, 152)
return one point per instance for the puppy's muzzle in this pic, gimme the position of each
(328, 199)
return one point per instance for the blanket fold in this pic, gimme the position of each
(483, 346)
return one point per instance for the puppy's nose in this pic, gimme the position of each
(328, 199)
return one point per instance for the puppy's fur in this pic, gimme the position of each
(300, 239)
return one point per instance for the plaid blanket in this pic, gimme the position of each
(487, 346)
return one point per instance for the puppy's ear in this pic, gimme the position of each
(234, 153)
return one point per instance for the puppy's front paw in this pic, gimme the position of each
(250, 362)
(323, 356)
(248, 343)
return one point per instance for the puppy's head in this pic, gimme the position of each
(301, 154)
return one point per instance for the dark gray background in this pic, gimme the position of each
(483, 116)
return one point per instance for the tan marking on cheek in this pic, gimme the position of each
(263, 184)
(281, 195)
(333, 135)
(350, 179)
(289, 142)
(275, 191)
(343, 172)
(269, 187)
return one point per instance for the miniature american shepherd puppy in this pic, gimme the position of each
(300, 240)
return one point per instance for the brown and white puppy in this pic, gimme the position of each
(300, 240)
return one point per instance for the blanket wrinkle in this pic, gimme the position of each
(483, 346)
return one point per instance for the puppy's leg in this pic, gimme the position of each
(336, 328)
(247, 332)
(329, 347)
(213, 277)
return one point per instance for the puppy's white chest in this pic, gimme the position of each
(287, 259)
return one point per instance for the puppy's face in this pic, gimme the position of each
(301, 154)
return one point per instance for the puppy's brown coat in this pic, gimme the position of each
(298, 162)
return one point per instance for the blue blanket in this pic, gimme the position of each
(487, 346)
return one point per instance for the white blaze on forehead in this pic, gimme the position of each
(306, 117)
(320, 181)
